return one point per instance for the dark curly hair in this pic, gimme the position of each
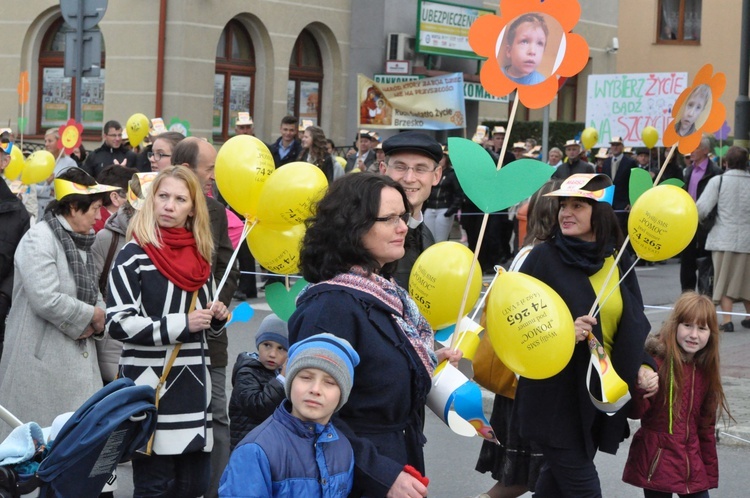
(333, 240)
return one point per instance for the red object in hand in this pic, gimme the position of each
(416, 474)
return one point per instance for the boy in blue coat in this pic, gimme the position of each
(297, 451)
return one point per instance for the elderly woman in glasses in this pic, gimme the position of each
(354, 239)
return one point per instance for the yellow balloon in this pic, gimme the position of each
(438, 279)
(341, 161)
(277, 249)
(589, 137)
(243, 165)
(37, 167)
(662, 222)
(530, 327)
(137, 128)
(290, 194)
(650, 136)
(13, 171)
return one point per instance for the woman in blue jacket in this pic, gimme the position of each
(355, 237)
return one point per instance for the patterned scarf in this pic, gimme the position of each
(407, 316)
(72, 242)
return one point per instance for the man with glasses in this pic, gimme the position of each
(14, 221)
(112, 151)
(412, 159)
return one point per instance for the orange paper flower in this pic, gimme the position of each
(697, 111)
(70, 136)
(563, 54)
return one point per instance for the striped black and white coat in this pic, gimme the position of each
(149, 314)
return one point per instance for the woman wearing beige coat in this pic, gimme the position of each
(49, 365)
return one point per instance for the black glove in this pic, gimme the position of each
(450, 212)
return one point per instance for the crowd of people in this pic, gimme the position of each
(118, 278)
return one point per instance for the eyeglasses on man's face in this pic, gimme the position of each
(421, 169)
(394, 219)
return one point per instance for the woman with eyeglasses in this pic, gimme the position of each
(355, 237)
(160, 155)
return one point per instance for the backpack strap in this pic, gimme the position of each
(108, 264)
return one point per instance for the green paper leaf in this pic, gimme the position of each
(492, 190)
(282, 301)
(721, 151)
(673, 181)
(22, 124)
(640, 181)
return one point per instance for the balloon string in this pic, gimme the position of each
(484, 297)
(609, 276)
(664, 166)
(604, 301)
(465, 297)
(286, 282)
(245, 231)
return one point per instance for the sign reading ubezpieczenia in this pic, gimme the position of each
(621, 105)
(429, 104)
(443, 28)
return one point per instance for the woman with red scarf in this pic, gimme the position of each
(161, 306)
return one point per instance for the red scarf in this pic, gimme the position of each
(178, 259)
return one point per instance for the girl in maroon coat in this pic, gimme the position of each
(674, 451)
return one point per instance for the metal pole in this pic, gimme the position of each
(742, 104)
(79, 65)
(545, 132)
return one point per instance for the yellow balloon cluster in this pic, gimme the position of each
(277, 201)
(438, 279)
(662, 222)
(530, 327)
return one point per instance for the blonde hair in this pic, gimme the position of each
(143, 225)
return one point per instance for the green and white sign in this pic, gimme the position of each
(443, 28)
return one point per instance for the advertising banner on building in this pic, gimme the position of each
(621, 105)
(443, 28)
(428, 104)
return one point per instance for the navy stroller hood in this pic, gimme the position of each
(104, 431)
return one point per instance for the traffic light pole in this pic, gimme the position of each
(79, 65)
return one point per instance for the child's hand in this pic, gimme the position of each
(648, 381)
(283, 369)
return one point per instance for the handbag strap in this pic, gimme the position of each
(165, 372)
(108, 264)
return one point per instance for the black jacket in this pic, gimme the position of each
(417, 240)
(291, 156)
(217, 346)
(105, 155)
(557, 411)
(567, 169)
(621, 181)
(446, 194)
(256, 392)
(14, 221)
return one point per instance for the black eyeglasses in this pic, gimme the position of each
(157, 155)
(395, 218)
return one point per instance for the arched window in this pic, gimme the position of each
(56, 98)
(305, 80)
(234, 78)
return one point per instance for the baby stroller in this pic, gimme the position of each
(103, 432)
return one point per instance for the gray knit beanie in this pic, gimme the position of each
(273, 328)
(334, 355)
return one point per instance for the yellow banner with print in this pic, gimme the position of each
(427, 104)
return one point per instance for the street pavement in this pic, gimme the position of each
(451, 458)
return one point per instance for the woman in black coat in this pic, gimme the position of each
(557, 413)
(356, 235)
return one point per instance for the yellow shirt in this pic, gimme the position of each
(610, 302)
